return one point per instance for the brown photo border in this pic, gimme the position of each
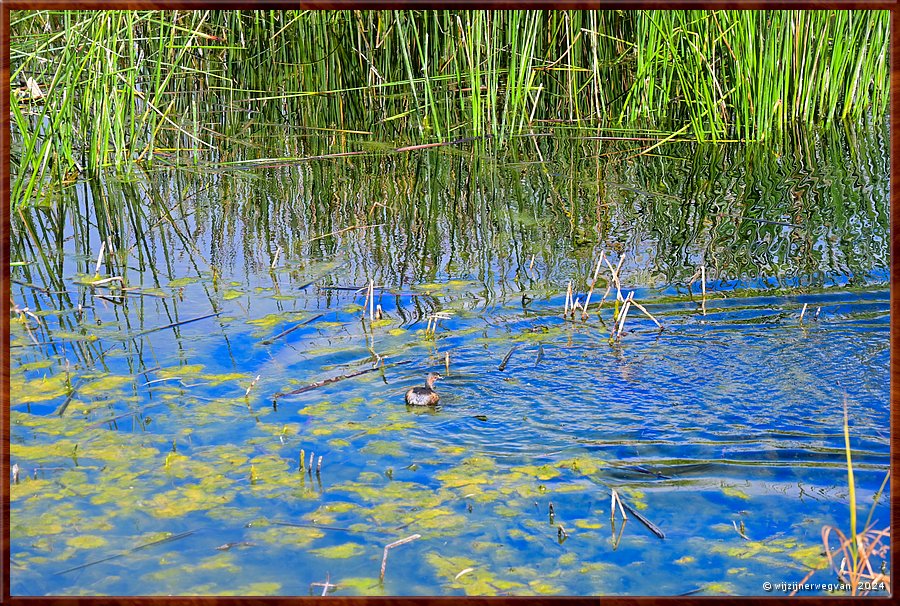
(9, 5)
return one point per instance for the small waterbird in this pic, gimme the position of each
(424, 396)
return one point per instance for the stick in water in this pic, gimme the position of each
(390, 546)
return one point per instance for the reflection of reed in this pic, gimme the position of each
(431, 215)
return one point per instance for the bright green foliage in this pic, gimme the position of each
(97, 89)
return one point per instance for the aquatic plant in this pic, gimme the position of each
(861, 551)
(102, 89)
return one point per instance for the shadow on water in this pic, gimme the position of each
(146, 401)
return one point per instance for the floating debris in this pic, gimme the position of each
(229, 546)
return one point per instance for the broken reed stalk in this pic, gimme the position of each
(650, 525)
(703, 287)
(587, 301)
(312, 456)
(624, 314)
(447, 362)
(302, 460)
(568, 299)
(319, 465)
(100, 258)
(614, 499)
(531, 265)
(803, 312)
(371, 300)
(614, 281)
(93, 283)
(390, 546)
(252, 383)
(275, 257)
(649, 315)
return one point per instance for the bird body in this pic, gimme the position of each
(424, 396)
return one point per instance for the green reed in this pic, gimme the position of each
(125, 86)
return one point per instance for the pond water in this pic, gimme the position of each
(158, 442)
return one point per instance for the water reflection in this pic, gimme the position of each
(240, 285)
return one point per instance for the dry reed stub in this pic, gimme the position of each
(587, 300)
(803, 312)
(100, 258)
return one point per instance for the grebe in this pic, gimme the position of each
(424, 396)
